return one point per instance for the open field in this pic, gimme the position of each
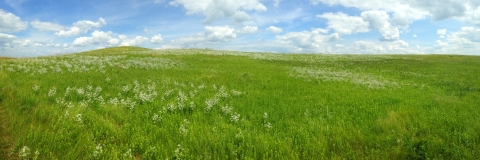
(135, 103)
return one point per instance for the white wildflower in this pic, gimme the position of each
(35, 87)
(210, 103)
(37, 153)
(128, 154)
(181, 97)
(67, 91)
(265, 115)
(192, 105)
(125, 88)
(183, 129)
(108, 79)
(201, 86)
(236, 93)
(239, 135)
(80, 91)
(181, 106)
(178, 153)
(78, 118)
(171, 107)
(98, 151)
(156, 118)
(83, 103)
(222, 92)
(267, 125)
(24, 152)
(235, 117)
(52, 92)
(113, 101)
(226, 109)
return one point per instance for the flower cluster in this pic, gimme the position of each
(98, 151)
(156, 118)
(52, 92)
(183, 129)
(24, 152)
(86, 63)
(78, 118)
(324, 74)
(266, 124)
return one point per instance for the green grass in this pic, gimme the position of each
(136, 103)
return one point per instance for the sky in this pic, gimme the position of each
(30, 28)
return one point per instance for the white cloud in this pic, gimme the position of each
(344, 24)
(379, 20)
(315, 2)
(397, 45)
(466, 36)
(11, 23)
(137, 41)
(188, 41)
(219, 33)
(81, 27)
(216, 9)
(368, 47)
(157, 39)
(377, 47)
(472, 16)
(274, 29)
(276, 2)
(26, 43)
(159, 1)
(37, 45)
(6, 39)
(212, 35)
(414, 36)
(98, 37)
(440, 44)
(442, 33)
(308, 41)
(46, 26)
(248, 30)
(406, 11)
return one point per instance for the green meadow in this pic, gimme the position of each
(137, 103)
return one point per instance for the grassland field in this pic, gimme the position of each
(137, 103)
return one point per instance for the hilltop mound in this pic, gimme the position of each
(115, 50)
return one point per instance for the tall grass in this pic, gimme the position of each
(134, 103)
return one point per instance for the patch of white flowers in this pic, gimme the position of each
(266, 124)
(128, 154)
(235, 117)
(179, 152)
(325, 74)
(86, 63)
(183, 128)
(156, 118)
(35, 87)
(98, 151)
(52, 92)
(210, 103)
(78, 118)
(24, 152)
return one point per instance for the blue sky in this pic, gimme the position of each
(46, 27)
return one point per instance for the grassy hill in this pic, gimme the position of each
(137, 103)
